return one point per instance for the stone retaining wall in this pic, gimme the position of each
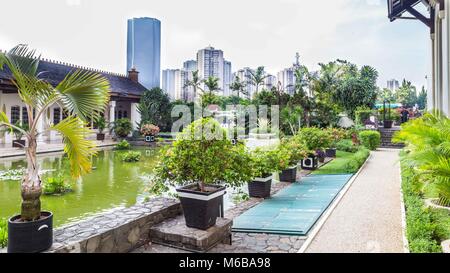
(117, 231)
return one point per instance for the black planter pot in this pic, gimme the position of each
(330, 152)
(388, 123)
(149, 138)
(100, 136)
(289, 175)
(18, 143)
(310, 163)
(260, 187)
(201, 209)
(30, 237)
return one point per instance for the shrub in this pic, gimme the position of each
(265, 162)
(202, 154)
(122, 127)
(55, 185)
(292, 151)
(336, 135)
(362, 115)
(347, 145)
(131, 156)
(123, 145)
(314, 138)
(100, 123)
(149, 130)
(3, 232)
(370, 139)
(357, 160)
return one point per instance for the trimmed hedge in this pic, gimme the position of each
(370, 139)
(346, 145)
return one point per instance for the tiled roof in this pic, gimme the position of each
(55, 72)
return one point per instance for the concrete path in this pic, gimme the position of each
(369, 216)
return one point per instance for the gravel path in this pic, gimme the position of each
(368, 218)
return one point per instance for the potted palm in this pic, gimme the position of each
(122, 127)
(202, 161)
(101, 126)
(264, 163)
(294, 151)
(78, 93)
(18, 133)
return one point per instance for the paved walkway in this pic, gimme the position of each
(368, 218)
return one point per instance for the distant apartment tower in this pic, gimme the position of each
(393, 85)
(270, 82)
(172, 83)
(144, 50)
(227, 78)
(244, 76)
(188, 91)
(287, 79)
(210, 62)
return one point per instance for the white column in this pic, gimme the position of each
(446, 60)
(40, 129)
(135, 116)
(112, 111)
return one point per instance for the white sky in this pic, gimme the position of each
(250, 32)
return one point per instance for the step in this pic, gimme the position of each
(174, 232)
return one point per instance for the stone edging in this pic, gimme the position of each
(318, 226)
(403, 212)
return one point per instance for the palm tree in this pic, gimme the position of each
(78, 93)
(195, 83)
(212, 83)
(238, 86)
(257, 78)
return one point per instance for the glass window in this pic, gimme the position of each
(24, 115)
(15, 114)
(56, 115)
(125, 114)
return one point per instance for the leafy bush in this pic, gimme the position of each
(123, 145)
(357, 160)
(370, 139)
(55, 185)
(314, 138)
(336, 135)
(122, 127)
(101, 125)
(202, 154)
(265, 162)
(347, 145)
(131, 156)
(3, 232)
(362, 115)
(293, 151)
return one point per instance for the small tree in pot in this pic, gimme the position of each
(317, 140)
(203, 161)
(264, 163)
(335, 135)
(294, 151)
(100, 123)
(122, 127)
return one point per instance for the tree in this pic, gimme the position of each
(195, 83)
(238, 86)
(385, 94)
(406, 94)
(78, 93)
(212, 84)
(257, 77)
(422, 99)
(290, 119)
(303, 81)
(154, 108)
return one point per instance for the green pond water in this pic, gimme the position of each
(111, 184)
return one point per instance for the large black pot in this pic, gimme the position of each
(201, 209)
(260, 187)
(289, 175)
(330, 152)
(150, 138)
(310, 163)
(18, 143)
(100, 136)
(388, 123)
(30, 237)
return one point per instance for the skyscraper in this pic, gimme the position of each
(287, 80)
(172, 83)
(393, 85)
(227, 78)
(210, 62)
(144, 50)
(244, 75)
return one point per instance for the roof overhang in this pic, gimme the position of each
(397, 8)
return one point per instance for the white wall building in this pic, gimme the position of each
(210, 62)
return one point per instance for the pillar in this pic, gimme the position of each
(135, 116)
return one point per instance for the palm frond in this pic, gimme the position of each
(79, 150)
(84, 93)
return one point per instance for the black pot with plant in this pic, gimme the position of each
(18, 131)
(202, 200)
(122, 127)
(290, 153)
(264, 164)
(311, 162)
(387, 122)
(101, 126)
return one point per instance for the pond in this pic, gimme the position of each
(111, 184)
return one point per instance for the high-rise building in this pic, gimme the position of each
(172, 83)
(227, 78)
(393, 85)
(210, 62)
(144, 50)
(287, 79)
(270, 82)
(190, 65)
(244, 76)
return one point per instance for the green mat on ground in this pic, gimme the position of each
(295, 209)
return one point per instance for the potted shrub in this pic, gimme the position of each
(294, 151)
(122, 127)
(264, 162)
(18, 133)
(79, 92)
(101, 126)
(387, 122)
(315, 140)
(149, 131)
(336, 135)
(203, 162)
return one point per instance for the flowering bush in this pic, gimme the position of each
(149, 130)
(294, 150)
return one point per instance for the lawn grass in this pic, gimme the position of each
(344, 163)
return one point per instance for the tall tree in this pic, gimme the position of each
(83, 94)
(406, 94)
(212, 85)
(154, 108)
(257, 78)
(195, 83)
(238, 86)
(422, 99)
(303, 80)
